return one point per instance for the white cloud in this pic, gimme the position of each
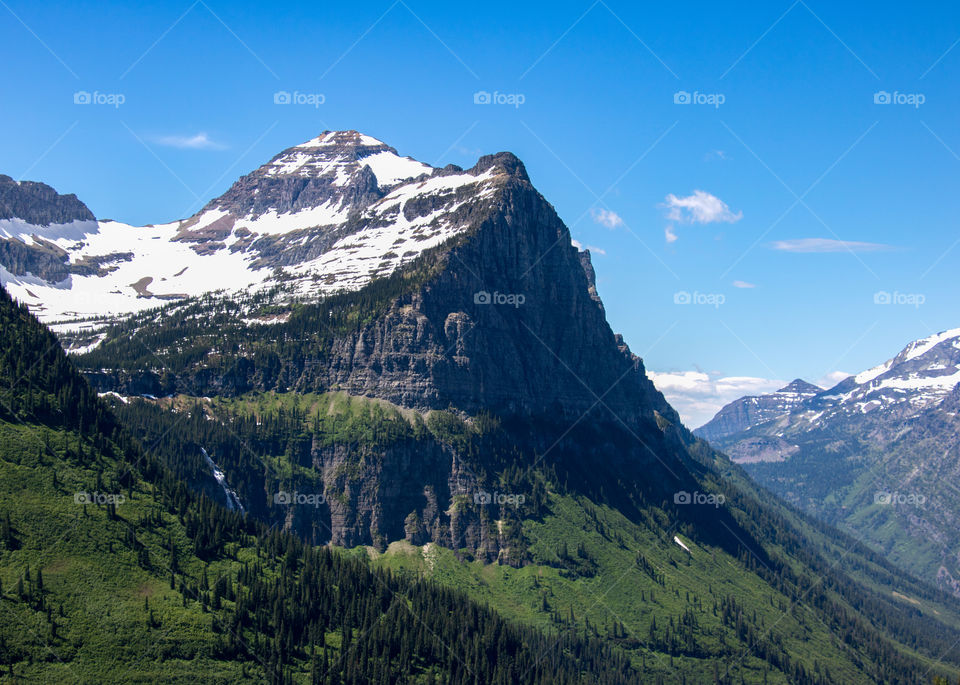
(199, 141)
(827, 245)
(829, 380)
(743, 284)
(699, 208)
(698, 396)
(669, 234)
(607, 218)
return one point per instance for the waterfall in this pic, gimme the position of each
(233, 501)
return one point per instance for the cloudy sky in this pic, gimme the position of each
(755, 216)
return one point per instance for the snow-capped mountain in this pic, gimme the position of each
(887, 436)
(327, 215)
(920, 376)
(753, 409)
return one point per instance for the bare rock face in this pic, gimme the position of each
(39, 204)
(512, 324)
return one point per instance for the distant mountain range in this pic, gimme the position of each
(753, 409)
(878, 453)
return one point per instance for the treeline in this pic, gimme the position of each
(206, 345)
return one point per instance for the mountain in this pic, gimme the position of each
(468, 327)
(753, 409)
(876, 454)
(465, 417)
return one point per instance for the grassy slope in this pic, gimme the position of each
(91, 572)
(606, 588)
(623, 593)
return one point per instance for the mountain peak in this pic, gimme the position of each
(800, 387)
(349, 138)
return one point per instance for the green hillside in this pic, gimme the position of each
(113, 571)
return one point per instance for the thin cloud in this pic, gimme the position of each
(607, 218)
(810, 245)
(743, 284)
(669, 234)
(199, 141)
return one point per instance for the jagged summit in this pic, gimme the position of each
(800, 386)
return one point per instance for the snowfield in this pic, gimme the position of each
(143, 267)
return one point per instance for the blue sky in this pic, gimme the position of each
(814, 200)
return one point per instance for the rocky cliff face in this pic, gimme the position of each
(38, 204)
(512, 324)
